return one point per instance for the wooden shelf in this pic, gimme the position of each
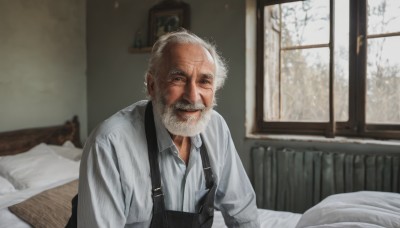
(140, 50)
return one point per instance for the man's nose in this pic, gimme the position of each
(192, 93)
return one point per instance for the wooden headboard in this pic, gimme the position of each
(14, 142)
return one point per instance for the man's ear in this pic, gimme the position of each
(150, 83)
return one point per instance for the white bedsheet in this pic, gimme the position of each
(8, 219)
(268, 219)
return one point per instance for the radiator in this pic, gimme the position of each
(286, 179)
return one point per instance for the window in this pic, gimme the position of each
(328, 67)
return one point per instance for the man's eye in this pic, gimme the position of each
(206, 82)
(178, 79)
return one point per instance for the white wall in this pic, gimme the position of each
(42, 63)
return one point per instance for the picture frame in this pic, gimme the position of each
(167, 16)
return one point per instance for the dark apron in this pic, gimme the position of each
(166, 218)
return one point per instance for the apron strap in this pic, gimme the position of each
(206, 165)
(157, 193)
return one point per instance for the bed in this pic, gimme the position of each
(39, 171)
(32, 161)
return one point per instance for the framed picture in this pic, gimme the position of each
(167, 16)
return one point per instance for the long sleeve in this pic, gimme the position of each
(100, 201)
(235, 196)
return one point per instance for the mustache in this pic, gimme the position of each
(187, 106)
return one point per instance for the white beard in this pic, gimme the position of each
(189, 127)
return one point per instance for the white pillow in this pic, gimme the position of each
(68, 144)
(5, 186)
(67, 150)
(37, 167)
(356, 209)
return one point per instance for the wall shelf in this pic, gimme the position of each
(140, 50)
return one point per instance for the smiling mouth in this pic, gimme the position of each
(189, 110)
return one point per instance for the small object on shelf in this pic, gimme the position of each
(138, 46)
(138, 42)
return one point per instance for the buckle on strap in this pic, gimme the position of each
(157, 192)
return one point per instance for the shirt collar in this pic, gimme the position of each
(196, 141)
(164, 140)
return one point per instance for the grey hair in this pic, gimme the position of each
(185, 37)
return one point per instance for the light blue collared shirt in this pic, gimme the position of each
(115, 184)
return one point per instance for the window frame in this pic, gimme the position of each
(356, 125)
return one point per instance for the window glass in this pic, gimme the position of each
(341, 61)
(383, 63)
(305, 23)
(271, 63)
(305, 85)
(296, 63)
(383, 16)
(383, 80)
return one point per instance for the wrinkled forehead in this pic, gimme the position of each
(188, 52)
